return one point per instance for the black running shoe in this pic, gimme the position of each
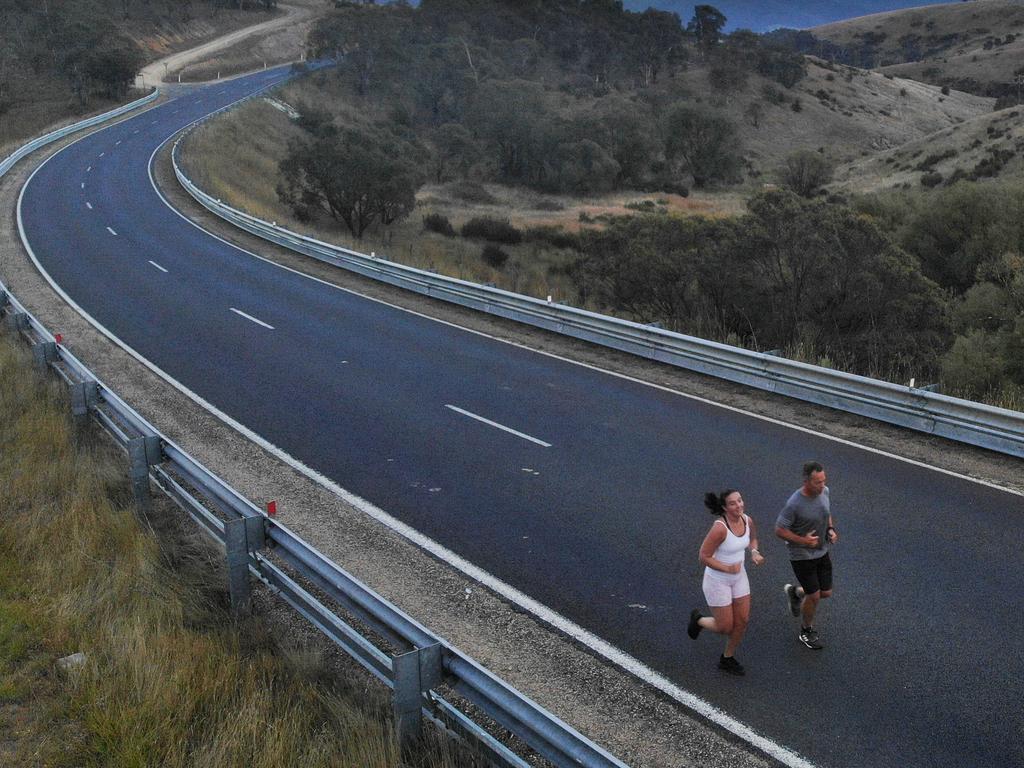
(794, 600)
(694, 628)
(730, 665)
(809, 637)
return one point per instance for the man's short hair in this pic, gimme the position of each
(810, 468)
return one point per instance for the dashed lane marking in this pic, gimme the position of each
(250, 317)
(496, 425)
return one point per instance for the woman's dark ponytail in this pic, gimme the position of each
(715, 502)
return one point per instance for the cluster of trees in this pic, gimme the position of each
(75, 44)
(969, 239)
(896, 285)
(564, 96)
(80, 50)
(791, 273)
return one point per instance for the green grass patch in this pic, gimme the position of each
(169, 679)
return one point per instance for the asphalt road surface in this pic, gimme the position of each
(581, 489)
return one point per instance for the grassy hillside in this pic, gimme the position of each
(988, 147)
(78, 57)
(169, 679)
(975, 46)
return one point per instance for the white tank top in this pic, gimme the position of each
(732, 549)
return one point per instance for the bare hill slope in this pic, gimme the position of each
(976, 46)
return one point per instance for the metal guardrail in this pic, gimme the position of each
(965, 421)
(60, 133)
(415, 663)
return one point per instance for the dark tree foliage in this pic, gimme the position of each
(791, 272)
(354, 177)
(562, 96)
(706, 26)
(704, 143)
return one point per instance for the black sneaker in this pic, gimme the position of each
(693, 629)
(730, 665)
(809, 637)
(794, 600)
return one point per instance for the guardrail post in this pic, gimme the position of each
(413, 674)
(242, 536)
(84, 397)
(45, 352)
(143, 452)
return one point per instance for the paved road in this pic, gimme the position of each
(591, 504)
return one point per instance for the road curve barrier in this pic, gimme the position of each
(997, 429)
(67, 130)
(423, 670)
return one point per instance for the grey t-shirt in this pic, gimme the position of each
(802, 515)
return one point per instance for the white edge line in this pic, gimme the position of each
(250, 317)
(157, 265)
(604, 649)
(496, 425)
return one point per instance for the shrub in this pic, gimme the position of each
(435, 222)
(797, 105)
(945, 90)
(641, 205)
(470, 192)
(554, 236)
(546, 204)
(495, 230)
(493, 256)
(931, 179)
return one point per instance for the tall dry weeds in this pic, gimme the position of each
(169, 679)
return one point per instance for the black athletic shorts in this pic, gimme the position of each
(814, 574)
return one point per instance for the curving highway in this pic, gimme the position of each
(579, 488)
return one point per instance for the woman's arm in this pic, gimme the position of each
(707, 551)
(755, 556)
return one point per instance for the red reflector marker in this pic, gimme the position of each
(271, 508)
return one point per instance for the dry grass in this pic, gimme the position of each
(954, 32)
(169, 680)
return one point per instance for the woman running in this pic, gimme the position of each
(726, 586)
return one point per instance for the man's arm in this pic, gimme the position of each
(811, 540)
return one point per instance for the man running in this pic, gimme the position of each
(805, 524)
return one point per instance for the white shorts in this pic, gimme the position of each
(721, 589)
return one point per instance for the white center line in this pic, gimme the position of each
(117, 142)
(83, 185)
(88, 169)
(102, 154)
(157, 266)
(88, 205)
(496, 425)
(135, 131)
(111, 231)
(250, 317)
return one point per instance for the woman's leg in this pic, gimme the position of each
(740, 619)
(721, 620)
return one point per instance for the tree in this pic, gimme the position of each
(704, 142)
(658, 44)
(754, 112)
(354, 177)
(706, 26)
(805, 172)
